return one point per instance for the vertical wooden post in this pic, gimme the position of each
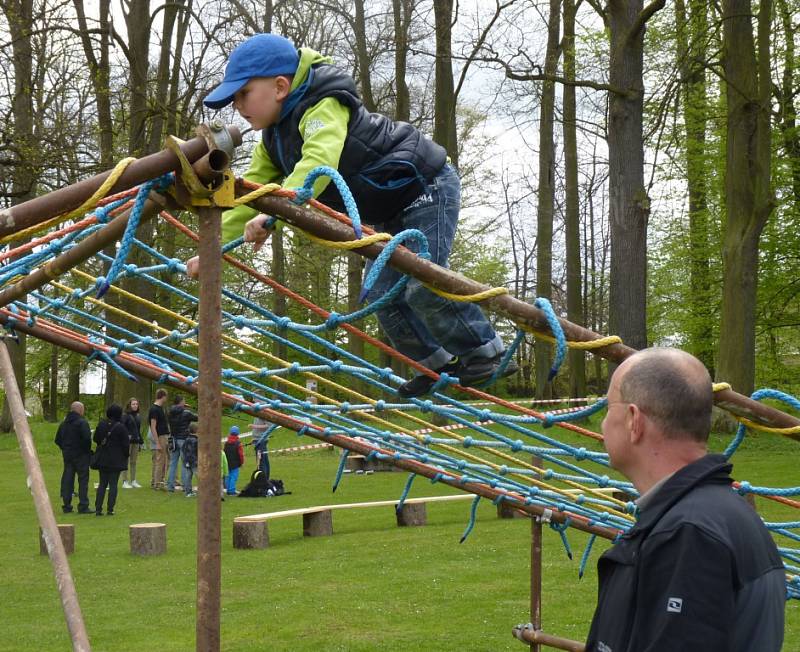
(44, 510)
(536, 570)
(210, 414)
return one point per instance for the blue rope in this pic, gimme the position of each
(473, 512)
(306, 192)
(340, 469)
(585, 556)
(558, 332)
(104, 283)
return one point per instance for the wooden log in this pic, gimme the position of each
(508, 510)
(355, 463)
(67, 533)
(148, 539)
(250, 535)
(318, 524)
(412, 515)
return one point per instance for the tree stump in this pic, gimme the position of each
(412, 514)
(67, 532)
(507, 510)
(318, 524)
(148, 539)
(250, 535)
(354, 463)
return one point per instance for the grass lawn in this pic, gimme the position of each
(371, 586)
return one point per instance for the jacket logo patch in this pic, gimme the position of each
(602, 647)
(312, 127)
(674, 605)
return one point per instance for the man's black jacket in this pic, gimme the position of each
(698, 572)
(179, 420)
(74, 437)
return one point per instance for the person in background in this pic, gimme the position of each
(158, 433)
(132, 421)
(262, 431)
(223, 467)
(699, 571)
(179, 419)
(189, 461)
(235, 454)
(74, 438)
(113, 446)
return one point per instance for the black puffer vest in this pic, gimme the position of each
(386, 164)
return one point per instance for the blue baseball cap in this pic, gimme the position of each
(262, 55)
(234, 430)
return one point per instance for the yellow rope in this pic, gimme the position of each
(349, 244)
(718, 387)
(86, 206)
(779, 431)
(266, 189)
(586, 345)
(468, 298)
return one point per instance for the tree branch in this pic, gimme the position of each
(644, 15)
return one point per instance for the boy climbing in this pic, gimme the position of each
(311, 115)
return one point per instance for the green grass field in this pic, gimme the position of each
(371, 586)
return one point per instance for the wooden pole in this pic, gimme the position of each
(81, 252)
(209, 392)
(39, 209)
(44, 510)
(536, 568)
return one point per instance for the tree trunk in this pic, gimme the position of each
(362, 57)
(402, 20)
(279, 275)
(52, 413)
(74, 379)
(355, 267)
(748, 194)
(577, 358)
(629, 208)
(19, 15)
(691, 35)
(444, 121)
(546, 195)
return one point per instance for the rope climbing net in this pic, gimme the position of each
(103, 307)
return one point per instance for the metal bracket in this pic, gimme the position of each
(189, 190)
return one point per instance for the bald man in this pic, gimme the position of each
(74, 438)
(698, 570)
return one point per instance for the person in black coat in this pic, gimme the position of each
(113, 445)
(74, 438)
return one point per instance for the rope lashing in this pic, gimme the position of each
(555, 326)
(85, 207)
(130, 230)
(306, 192)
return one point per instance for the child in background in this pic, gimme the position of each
(223, 465)
(189, 461)
(235, 454)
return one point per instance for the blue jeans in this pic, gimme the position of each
(174, 457)
(230, 481)
(420, 324)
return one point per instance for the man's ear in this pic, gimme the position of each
(282, 85)
(634, 420)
